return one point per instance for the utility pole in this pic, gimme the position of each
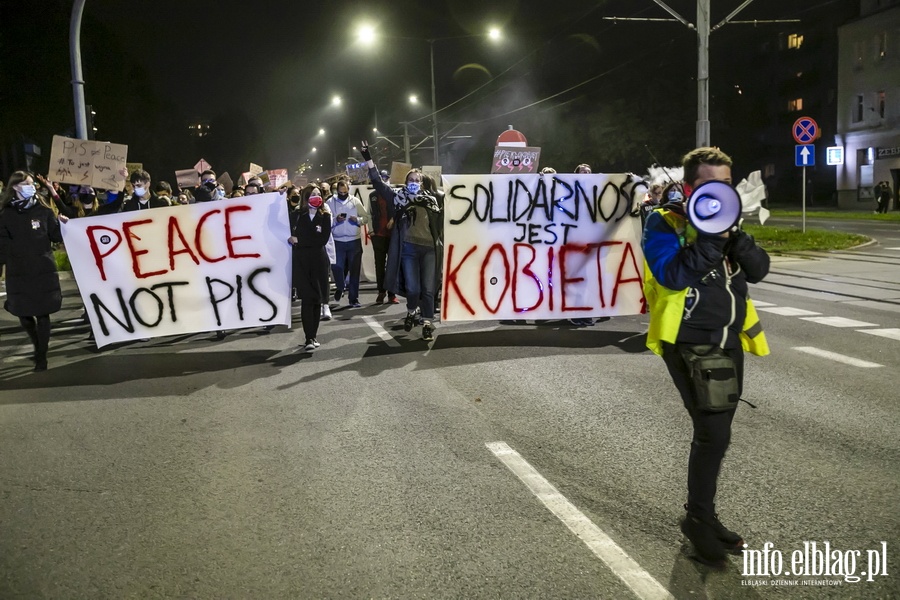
(703, 31)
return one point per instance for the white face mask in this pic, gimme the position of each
(139, 192)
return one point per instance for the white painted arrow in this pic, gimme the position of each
(805, 154)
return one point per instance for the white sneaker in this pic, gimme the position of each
(309, 346)
(326, 313)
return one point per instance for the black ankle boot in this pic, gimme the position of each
(702, 535)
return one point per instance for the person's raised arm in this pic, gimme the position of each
(383, 189)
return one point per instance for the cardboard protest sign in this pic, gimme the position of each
(201, 166)
(225, 181)
(433, 171)
(244, 178)
(509, 159)
(358, 172)
(277, 178)
(541, 247)
(132, 167)
(183, 269)
(255, 169)
(399, 171)
(85, 162)
(300, 181)
(187, 178)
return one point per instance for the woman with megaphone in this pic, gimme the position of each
(698, 265)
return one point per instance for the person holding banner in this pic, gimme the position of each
(701, 321)
(28, 227)
(206, 191)
(310, 231)
(412, 261)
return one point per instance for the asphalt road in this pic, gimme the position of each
(247, 469)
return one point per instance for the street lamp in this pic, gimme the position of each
(335, 100)
(413, 99)
(366, 35)
(321, 131)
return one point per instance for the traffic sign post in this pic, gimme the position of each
(805, 132)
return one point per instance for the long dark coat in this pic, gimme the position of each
(310, 260)
(32, 285)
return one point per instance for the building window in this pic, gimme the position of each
(795, 40)
(881, 46)
(858, 109)
(795, 104)
(879, 103)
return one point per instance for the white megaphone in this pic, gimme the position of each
(714, 207)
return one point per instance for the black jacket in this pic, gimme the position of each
(133, 203)
(32, 285)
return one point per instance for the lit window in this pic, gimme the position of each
(795, 40)
(879, 103)
(881, 45)
(795, 104)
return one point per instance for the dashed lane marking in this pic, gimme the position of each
(838, 322)
(788, 311)
(847, 360)
(381, 331)
(893, 334)
(759, 303)
(626, 568)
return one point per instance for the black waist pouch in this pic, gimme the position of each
(714, 377)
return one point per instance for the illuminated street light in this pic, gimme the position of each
(314, 149)
(321, 131)
(365, 34)
(494, 33)
(413, 99)
(335, 100)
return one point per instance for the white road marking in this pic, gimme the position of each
(893, 334)
(381, 331)
(759, 303)
(626, 568)
(847, 360)
(787, 311)
(838, 322)
(892, 248)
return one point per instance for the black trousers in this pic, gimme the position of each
(309, 316)
(712, 432)
(380, 246)
(38, 329)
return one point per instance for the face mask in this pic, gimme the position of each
(209, 184)
(26, 191)
(413, 187)
(220, 193)
(315, 201)
(139, 192)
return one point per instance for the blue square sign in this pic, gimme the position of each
(805, 155)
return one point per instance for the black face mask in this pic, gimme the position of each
(343, 195)
(86, 199)
(210, 185)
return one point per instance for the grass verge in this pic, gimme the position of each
(834, 214)
(791, 239)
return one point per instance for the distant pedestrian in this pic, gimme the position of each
(28, 227)
(884, 197)
(381, 211)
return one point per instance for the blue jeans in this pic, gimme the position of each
(348, 260)
(418, 263)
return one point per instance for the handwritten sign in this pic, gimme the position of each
(183, 269)
(201, 166)
(509, 159)
(225, 181)
(187, 178)
(300, 181)
(433, 171)
(85, 162)
(277, 178)
(399, 171)
(255, 169)
(541, 247)
(132, 167)
(358, 172)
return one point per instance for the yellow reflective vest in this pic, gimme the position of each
(667, 306)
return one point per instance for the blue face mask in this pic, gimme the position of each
(413, 187)
(220, 193)
(26, 191)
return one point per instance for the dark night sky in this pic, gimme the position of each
(280, 61)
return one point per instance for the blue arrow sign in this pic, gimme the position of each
(805, 155)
